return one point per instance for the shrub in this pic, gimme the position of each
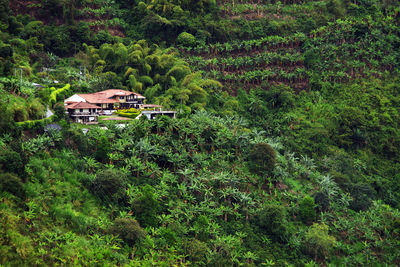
(6, 51)
(146, 207)
(307, 209)
(272, 219)
(341, 179)
(129, 113)
(10, 161)
(262, 159)
(128, 229)
(59, 112)
(317, 241)
(109, 185)
(57, 95)
(186, 39)
(103, 149)
(12, 184)
(322, 201)
(362, 195)
(195, 249)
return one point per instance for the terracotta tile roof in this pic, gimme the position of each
(97, 98)
(112, 92)
(104, 97)
(81, 105)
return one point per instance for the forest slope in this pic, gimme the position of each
(285, 150)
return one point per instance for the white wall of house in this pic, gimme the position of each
(75, 98)
(78, 110)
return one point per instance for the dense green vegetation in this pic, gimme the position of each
(285, 151)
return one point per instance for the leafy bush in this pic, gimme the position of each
(10, 161)
(195, 249)
(318, 242)
(272, 219)
(109, 185)
(262, 159)
(57, 95)
(129, 113)
(147, 207)
(307, 209)
(6, 51)
(12, 184)
(362, 195)
(186, 39)
(103, 148)
(321, 199)
(128, 229)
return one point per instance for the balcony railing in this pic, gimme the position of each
(84, 114)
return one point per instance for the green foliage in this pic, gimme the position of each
(58, 94)
(12, 184)
(322, 201)
(316, 80)
(129, 113)
(262, 159)
(362, 195)
(318, 242)
(272, 219)
(109, 185)
(4, 11)
(34, 124)
(196, 250)
(6, 51)
(128, 229)
(186, 39)
(307, 210)
(102, 150)
(10, 161)
(146, 207)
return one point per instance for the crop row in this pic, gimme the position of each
(298, 79)
(292, 10)
(260, 2)
(255, 61)
(232, 86)
(111, 22)
(100, 12)
(259, 75)
(348, 56)
(270, 42)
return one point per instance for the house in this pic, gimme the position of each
(108, 100)
(152, 111)
(85, 108)
(83, 112)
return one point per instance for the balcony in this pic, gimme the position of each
(84, 114)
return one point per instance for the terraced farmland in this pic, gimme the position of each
(339, 51)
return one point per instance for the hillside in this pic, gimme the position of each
(99, 15)
(285, 150)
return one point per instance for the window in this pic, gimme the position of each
(81, 110)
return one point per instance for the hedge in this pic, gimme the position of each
(34, 124)
(129, 113)
(54, 96)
